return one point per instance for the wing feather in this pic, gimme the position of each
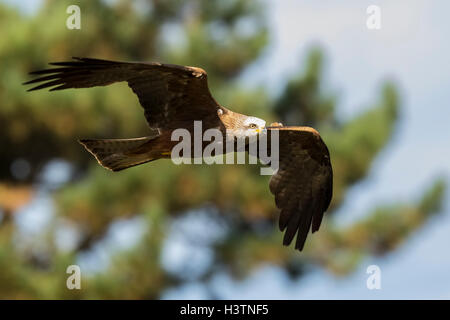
(303, 184)
(172, 96)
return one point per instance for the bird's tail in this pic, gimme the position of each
(119, 154)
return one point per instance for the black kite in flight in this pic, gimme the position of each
(174, 97)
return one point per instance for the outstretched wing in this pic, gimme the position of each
(303, 183)
(171, 95)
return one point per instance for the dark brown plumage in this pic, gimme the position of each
(171, 95)
(303, 184)
(174, 97)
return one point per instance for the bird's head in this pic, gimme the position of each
(253, 126)
(239, 125)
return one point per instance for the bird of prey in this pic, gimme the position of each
(174, 97)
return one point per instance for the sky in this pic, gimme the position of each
(411, 48)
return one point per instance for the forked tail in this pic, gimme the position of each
(119, 154)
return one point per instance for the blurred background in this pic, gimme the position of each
(379, 98)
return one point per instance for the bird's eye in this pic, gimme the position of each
(252, 126)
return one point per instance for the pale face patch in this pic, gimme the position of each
(260, 123)
(253, 126)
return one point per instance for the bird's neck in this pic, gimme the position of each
(232, 120)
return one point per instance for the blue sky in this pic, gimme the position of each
(411, 48)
